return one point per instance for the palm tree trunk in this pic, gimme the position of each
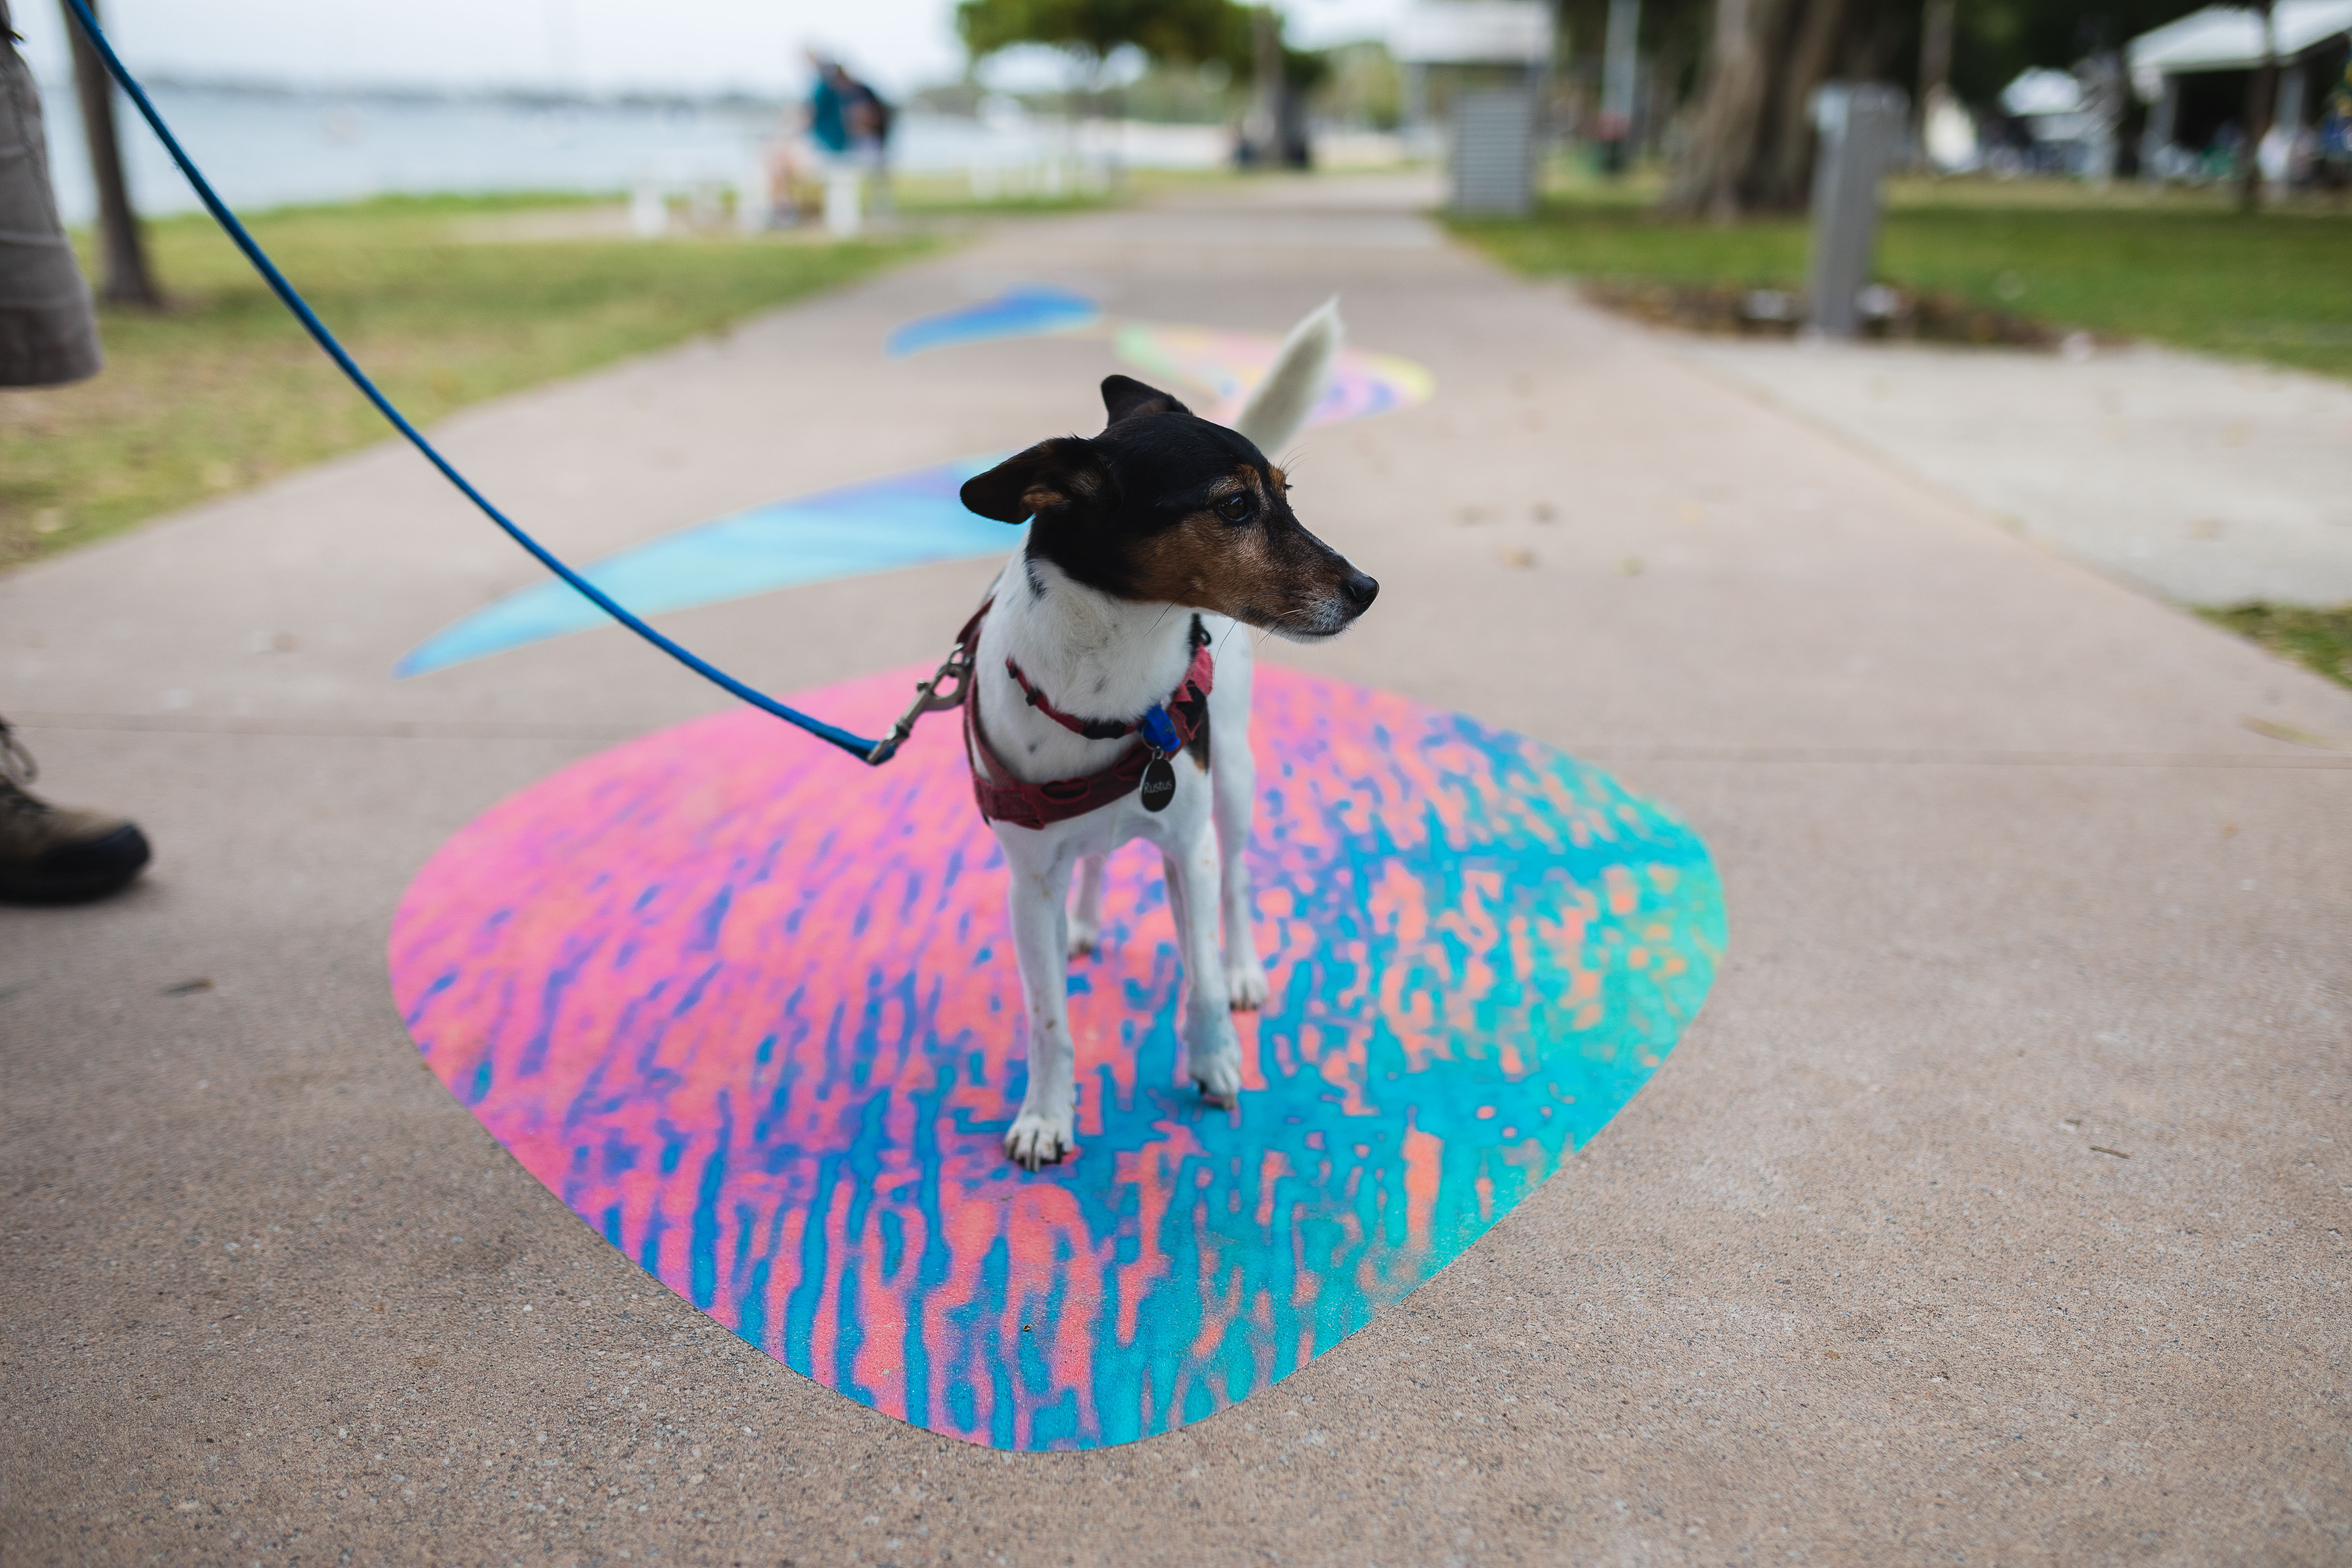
(1714, 176)
(1751, 148)
(126, 280)
(1788, 178)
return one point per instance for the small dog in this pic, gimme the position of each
(1102, 669)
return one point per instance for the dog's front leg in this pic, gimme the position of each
(1212, 1052)
(1044, 1131)
(1237, 805)
(1086, 914)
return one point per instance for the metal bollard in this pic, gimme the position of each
(1861, 126)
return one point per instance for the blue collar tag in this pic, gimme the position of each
(1159, 733)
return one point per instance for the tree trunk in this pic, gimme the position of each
(2261, 102)
(1788, 178)
(123, 251)
(1935, 50)
(1751, 147)
(1731, 109)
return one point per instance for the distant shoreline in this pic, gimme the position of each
(267, 145)
(502, 97)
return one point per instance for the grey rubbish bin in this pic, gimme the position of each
(1494, 151)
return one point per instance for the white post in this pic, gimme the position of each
(751, 199)
(648, 210)
(2156, 138)
(842, 196)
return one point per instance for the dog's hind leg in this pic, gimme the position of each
(1212, 1052)
(1044, 1131)
(1085, 910)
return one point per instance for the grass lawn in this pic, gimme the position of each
(2182, 270)
(444, 300)
(2176, 268)
(2319, 639)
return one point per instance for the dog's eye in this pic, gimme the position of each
(1237, 509)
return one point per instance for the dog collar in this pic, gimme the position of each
(1108, 729)
(1167, 728)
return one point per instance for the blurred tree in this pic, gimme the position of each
(1093, 30)
(124, 276)
(1751, 143)
(1751, 138)
(1993, 40)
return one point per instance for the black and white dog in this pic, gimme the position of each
(1108, 702)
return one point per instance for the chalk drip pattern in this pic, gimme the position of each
(753, 1014)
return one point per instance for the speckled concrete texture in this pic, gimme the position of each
(1992, 1213)
(2209, 481)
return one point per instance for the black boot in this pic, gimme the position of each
(55, 853)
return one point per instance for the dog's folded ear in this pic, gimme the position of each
(1124, 398)
(1049, 474)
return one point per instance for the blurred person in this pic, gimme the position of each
(48, 336)
(812, 137)
(844, 127)
(866, 116)
(2332, 158)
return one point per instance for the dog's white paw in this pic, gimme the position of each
(1037, 1139)
(1084, 941)
(1245, 984)
(1218, 1070)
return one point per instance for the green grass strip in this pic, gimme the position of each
(446, 301)
(2185, 272)
(2319, 640)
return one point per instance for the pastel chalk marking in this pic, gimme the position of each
(764, 1034)
(905, 519)
(1025, 310)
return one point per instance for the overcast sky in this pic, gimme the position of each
(696, 45)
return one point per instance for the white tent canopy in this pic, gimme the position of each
(2039, 90)
(2230, 37)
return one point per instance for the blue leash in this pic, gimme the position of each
(872, 751)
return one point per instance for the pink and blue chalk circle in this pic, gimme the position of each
(753, 1014)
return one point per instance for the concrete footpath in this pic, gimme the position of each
(2204, 481)
(1994, 1210)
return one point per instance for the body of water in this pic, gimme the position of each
(265, 149)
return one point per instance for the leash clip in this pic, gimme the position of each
(933, 696)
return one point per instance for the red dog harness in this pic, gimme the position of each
(1058, 800)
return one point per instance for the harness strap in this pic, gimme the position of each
(1042, 805)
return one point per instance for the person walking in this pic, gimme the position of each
(48, 337)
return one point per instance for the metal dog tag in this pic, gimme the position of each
(1159, 785)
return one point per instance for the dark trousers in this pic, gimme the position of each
(48, 333)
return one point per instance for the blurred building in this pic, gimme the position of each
(1480, 69)
(2191, 74)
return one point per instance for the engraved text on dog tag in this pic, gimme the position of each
(1159, 785)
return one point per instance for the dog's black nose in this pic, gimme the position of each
(1360, 591)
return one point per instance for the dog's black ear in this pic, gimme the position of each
(1124, 398)
(1049, 474)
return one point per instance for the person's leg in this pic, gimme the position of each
(58, 854)
(48, 334)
